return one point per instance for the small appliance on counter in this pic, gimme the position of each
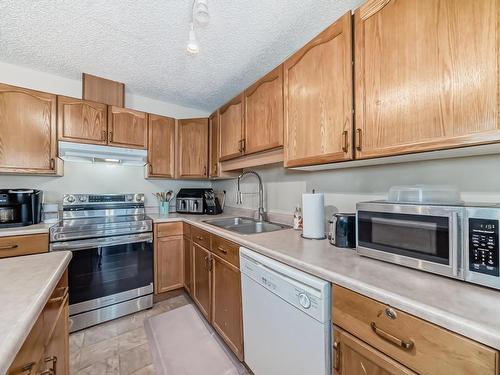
(343, 230)
(20, 207)
(197, 201)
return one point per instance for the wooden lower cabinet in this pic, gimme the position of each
(170, 263)
(391, 336)
(46, 349)
(226, 304)
(353, 357)
(201, 279)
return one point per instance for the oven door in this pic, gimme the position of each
(107, 271)
(422, 237)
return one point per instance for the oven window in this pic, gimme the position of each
(99, 272)
(416, 236)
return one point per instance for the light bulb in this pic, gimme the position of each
(192, 45)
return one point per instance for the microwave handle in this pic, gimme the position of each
(455, 256)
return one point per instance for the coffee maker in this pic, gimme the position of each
(20, 207)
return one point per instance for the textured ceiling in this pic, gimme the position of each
(142, 43)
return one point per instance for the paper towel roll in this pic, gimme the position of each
(313, 214)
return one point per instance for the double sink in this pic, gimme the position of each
(246, 225)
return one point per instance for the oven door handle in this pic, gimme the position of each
(100, 242)
(455, 248)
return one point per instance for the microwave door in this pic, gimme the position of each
(427, 241)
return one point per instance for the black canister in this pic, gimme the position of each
(343, 230)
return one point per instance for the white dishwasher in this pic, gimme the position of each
(286, 318)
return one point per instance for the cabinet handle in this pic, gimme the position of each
(61, 297)
(8, 247)
(240, 148)
(222, 250)
(243, 145)
(336, 359)
(204, 170)
(48, 372)
(104, 133)
(110, 137)
(405, 345)
(28, 367)
(150, 168)
(345, 144)
(358, 139)
(53, 360)
(52, 163)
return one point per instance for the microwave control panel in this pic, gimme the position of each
(483, 246)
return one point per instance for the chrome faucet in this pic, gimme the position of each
(262, 214)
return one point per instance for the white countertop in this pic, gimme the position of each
(26, 283)
(29, 229)
(467, 309)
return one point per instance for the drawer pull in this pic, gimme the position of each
(28, 367)
(8, 247)
(222, 250)
(199, 238)
(336, 360)
(64, 290)
(48, 372)
(53, 360)
(405, 345)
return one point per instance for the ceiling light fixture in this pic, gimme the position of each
(201, 17)
(192, 45)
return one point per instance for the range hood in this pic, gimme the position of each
(82, 152)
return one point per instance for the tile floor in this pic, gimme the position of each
(119, 347)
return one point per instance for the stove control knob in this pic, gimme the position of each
(138, 198)
(129, 197)
(82, 198)
(70, 198)
(304, 301)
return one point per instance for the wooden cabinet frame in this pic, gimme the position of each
(161, 133)
(192, 149)
(237, 137)
(138, 119)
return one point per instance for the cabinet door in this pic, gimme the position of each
(226, 304)
(201, 279)
(420, 83)
(169, 263)
(188, 265)
(127, 128)
(28, 140)
(213, 123)
(353, 357)
(193, 152)
(231, 129)
(161, 146)
(318, 98)
(82, 121)
(264, 113)
(56, 355)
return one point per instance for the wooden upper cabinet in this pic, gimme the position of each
(213, 123)
(193, 148)
(82, 121)
(318, 98)
(231, 129)
(426, 75)
(161, 146)
(28, 130)
(127, 128)
(264, 113)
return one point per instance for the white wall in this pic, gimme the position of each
(97, 178)
(33, 79)
(477, 177)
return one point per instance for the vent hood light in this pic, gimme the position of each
(81, 152)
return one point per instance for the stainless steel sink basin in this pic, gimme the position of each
(246, 225)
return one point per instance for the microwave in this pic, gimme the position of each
(457, 241)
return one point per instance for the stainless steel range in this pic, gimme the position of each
(111, 272)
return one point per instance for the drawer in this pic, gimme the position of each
(200, 237)
(226, 250)
(169, 229)
(186, 229)
(24, 245)
(417, 344)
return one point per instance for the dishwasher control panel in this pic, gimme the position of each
(313, 301)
